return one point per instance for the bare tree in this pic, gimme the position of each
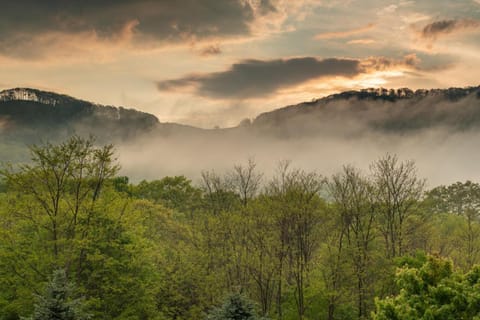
(245, 181)
(398, 191)
(217, 192)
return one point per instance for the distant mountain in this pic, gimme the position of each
(31, 116)
(401, 111)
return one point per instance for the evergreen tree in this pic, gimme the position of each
(57, 302)
(235, 307)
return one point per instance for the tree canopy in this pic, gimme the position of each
(297, 244)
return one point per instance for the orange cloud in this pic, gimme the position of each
(361, 41)
(345, 33)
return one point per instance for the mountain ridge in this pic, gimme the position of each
(403, 109)
(383, 94)
(54, 99)
(387, 94)
(30, 116)
(383, 110)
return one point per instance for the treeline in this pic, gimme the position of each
(298, 244)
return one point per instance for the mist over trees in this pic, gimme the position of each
(359, 244)
(358, 126)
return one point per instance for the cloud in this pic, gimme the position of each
(260, 78)
(388, 9)
(443, 27)
(211, 50)
(382, 64)
(361, 41)
(266, 6)
(21, 22)
(344, 34)
(414, 17)
(256, 78)
(56, 46)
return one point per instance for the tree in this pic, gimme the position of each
(62, 211)
(172, 192)
(334, 263)
(63, 183)
(432, 291)
(57, 303)
(262, 243)
(299, 212)
(457, 198)
(245, 181)
(354, 200)
(463, 200)
(218, 193)
(235, 307)
(398, 192)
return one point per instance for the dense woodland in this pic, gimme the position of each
(77, 238)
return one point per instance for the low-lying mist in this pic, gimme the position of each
(441, 134)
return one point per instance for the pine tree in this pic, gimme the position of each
(57, 302)
(235, 307)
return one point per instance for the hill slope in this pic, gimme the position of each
(29, 114)
(386, 111)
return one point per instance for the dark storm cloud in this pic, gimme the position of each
(255, 78)
(163, 20)
(442, 27)
(266, 7)
(258, 78)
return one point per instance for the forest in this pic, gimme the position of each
(80, 241)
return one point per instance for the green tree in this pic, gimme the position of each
(172, 192)
(263, 246)
(462, 200)
(61, 211)
(235, 307)
(432, 291)
(457, 198)
(57, 303)
(299, 212)
(354, 201)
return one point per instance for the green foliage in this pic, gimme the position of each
(57, 302)
(172, 192)
(235, 307)
(457, 211)
(458, 198)
(433, 291)
(303, 247)
(61, 212)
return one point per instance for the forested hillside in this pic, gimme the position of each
(77, 237)
(377, 110)
(28, 114)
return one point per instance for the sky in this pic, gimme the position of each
(212, 63)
